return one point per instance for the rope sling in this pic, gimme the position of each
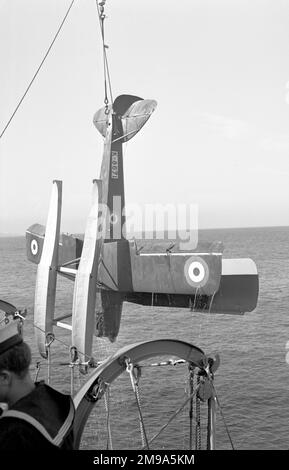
(134, 371)
(134, 374)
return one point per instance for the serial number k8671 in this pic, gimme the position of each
(171, 459)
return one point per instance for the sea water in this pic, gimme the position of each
(252, 381)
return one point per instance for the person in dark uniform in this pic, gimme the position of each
(38, 416)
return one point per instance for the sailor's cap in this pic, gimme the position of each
(10, 336)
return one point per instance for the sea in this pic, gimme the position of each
(252, 381)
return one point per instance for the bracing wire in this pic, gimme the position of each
(38, 70)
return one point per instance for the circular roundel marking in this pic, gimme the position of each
(34, 247)
(113, 219)
(196, 271)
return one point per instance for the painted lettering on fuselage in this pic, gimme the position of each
(114, 164)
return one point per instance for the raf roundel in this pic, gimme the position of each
(113, 219)
(34, 247)
(196, 271)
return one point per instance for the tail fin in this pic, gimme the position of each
(132, 111)
(70, 246)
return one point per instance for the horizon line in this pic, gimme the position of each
(14, 235)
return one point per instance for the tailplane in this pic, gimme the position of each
(131, 110)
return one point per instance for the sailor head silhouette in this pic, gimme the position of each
(36, 415)
(15, 358)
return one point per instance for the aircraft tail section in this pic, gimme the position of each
(70, 246)
(118, 123)
(132, 111)
(34, 242)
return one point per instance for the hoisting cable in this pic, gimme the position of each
(38, 69)
(101, 17)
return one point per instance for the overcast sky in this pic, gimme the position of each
(219, 138)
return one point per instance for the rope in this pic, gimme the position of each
(172, 417)
(49, 340)
(191, 411)
(72, 379)
(38, 69)
(209, 426)
(223, 418)
(109, 445)
(134, 383)
(74, 359)
(198, 419)
(170, 362)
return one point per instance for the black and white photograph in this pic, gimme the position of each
(144, 228)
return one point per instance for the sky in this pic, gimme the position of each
(219, 138)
